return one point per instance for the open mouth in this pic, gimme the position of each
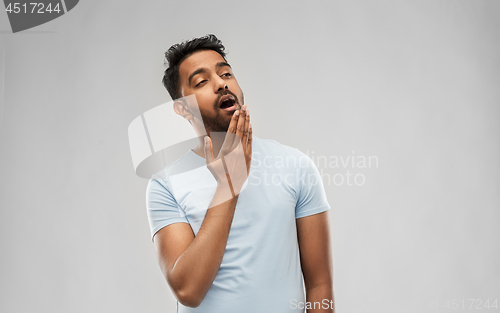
(227, 103)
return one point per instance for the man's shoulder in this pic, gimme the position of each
(274, 147)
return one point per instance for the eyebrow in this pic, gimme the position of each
(203, 70)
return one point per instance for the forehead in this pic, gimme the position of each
(205, 58)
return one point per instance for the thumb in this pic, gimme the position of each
(209, 153)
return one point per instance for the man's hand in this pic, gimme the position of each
(190, 263)
(232, 164)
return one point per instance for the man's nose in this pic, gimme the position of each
(220, 84)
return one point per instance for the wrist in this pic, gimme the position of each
(222, 185)
(223, 193)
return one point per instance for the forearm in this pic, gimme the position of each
(196, 268)
(322, 294)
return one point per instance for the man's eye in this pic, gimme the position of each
(200, 82)
(227, 74)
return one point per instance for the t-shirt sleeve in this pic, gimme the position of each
(311, 192)
(162, 208)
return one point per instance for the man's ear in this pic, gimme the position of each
(181, 108)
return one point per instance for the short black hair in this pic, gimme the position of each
(179, 52)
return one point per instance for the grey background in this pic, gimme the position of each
(414, 83)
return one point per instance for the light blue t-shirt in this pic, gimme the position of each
(260, 270)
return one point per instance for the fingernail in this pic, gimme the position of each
(248, 112)
(237, 112)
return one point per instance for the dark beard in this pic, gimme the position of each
(216, 124)
(219, 122)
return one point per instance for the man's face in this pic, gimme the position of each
(207, 75)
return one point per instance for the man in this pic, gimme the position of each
(245, 229)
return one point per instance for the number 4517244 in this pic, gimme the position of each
(470, 304)
(35, 8)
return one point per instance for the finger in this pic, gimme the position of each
(245, 132)
(231, 132)
(250, 141)
(240, 127)
(234, 122)
(209, 152)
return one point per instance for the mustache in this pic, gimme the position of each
(222, 94)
